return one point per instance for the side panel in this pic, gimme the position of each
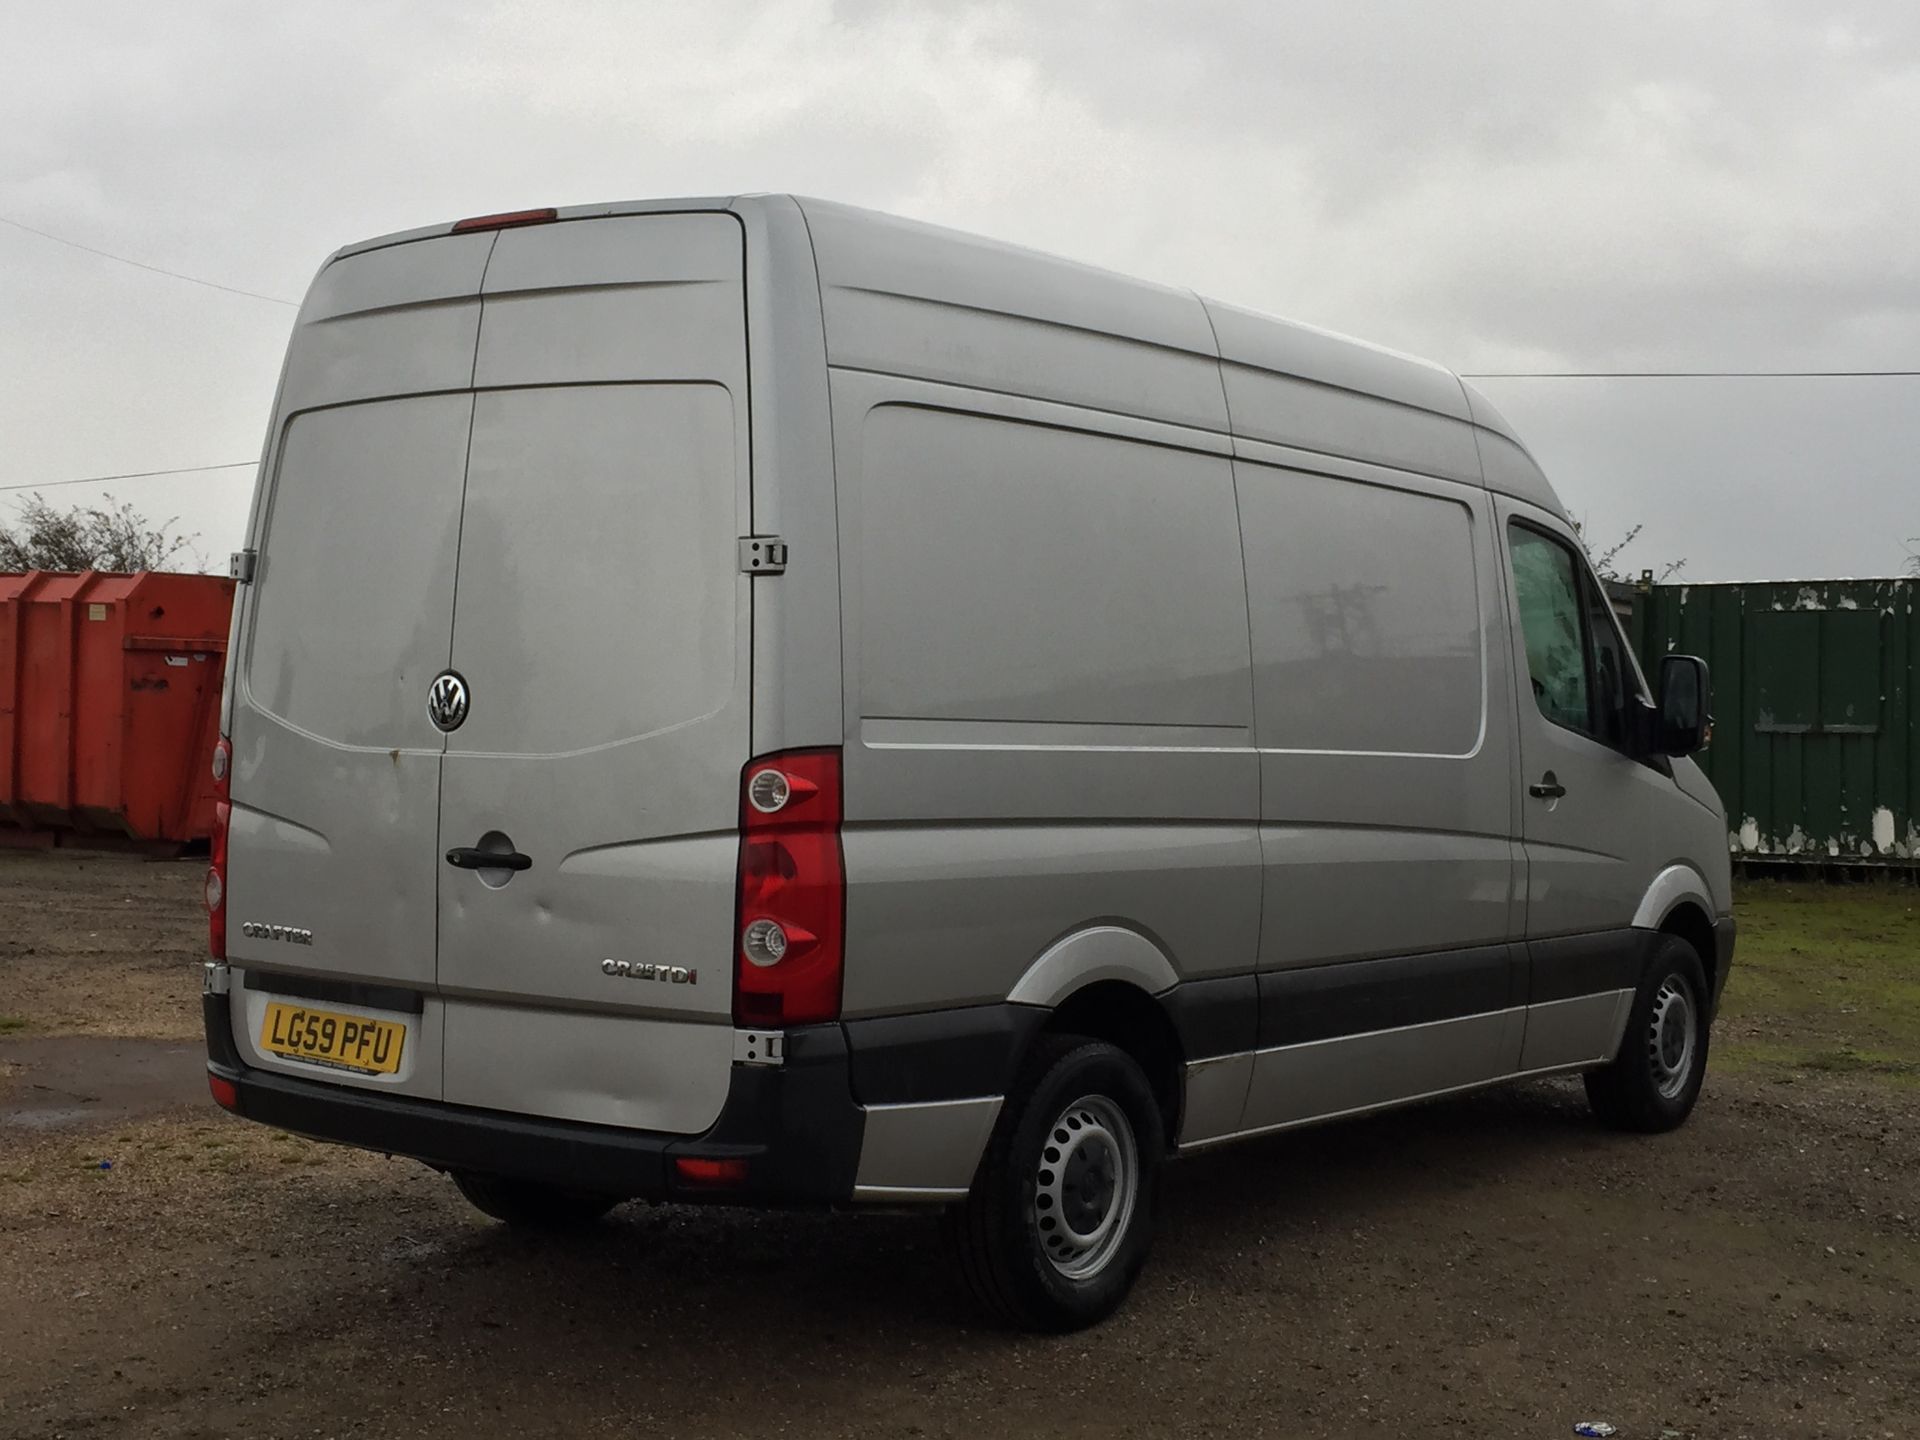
(917, 301)
(1382, 690)
(1048, 706)
(1506, 466)
(796, 616)
(1326, 1079)
(1381, 680)
(1323, 395)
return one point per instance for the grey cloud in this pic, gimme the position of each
(1500, 184)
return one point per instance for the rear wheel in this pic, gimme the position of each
(529, 1205)
(1652, 1084)
(1059, 1219)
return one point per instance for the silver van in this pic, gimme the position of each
(753, 700)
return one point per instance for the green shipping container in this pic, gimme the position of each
(1816, 742)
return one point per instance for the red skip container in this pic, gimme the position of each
(110, 706)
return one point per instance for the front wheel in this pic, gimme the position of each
(1057, 1224)
(529, 1205)
(1652, 1084)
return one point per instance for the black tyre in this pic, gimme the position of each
(529, 1205)
(1652, 1084)
(1060, 1216)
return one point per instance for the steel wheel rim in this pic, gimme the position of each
(1086, 1185)
(1671, 1040)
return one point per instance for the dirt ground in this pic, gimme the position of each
(1494, 1266)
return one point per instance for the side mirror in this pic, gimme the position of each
(1684, 721)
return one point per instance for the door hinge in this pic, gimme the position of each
(215, 978)
(759, 1047)
(240, 565)
(763, 555)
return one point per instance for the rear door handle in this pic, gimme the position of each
(1546, 788)
(466, 857)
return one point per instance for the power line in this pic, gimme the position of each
(1683, 374)
(142, 265)
(133, 475)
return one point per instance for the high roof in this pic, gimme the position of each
(1056, 330)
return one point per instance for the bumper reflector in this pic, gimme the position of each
(697, 1170)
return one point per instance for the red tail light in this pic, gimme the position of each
(225, 1093)
(505, 221)
(217, 868)
(788, 945)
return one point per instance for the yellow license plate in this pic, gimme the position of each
(326, 1037)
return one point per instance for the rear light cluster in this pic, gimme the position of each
(792, 891)
(217, 868)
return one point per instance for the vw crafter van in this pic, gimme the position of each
(753, 700)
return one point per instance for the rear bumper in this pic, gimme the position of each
(796, 1125)
(890, 1110)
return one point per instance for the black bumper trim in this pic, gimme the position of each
(940, 1054)
(1566, 967)
(1302, 1004)
(1215, 1017)
(978, 1049)
(795, 1124)
(1724, 931)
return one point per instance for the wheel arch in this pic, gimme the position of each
(1679, 902)
(1105, 981)
(1089, 956)
(1673, 886)
(1691, 923)
(1128, 1018)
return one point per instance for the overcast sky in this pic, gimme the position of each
(1494, 184)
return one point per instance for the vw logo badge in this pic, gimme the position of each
(447, 701)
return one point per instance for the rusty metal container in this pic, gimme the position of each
(1816, 737)
(110, 706)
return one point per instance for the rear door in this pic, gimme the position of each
(336, 784)
(601, 631)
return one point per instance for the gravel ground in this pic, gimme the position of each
(101, 944)
(1491, 1266)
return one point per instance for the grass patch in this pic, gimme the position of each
(1784, 1061)
(12, 1024)
(1825, 980)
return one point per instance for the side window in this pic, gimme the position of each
(1612, 670)
(1546, 580)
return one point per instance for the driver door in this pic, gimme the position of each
(1584, 795)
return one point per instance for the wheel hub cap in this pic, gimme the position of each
(1670, 1036)
(1088, 1190)
(1085, 1186)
